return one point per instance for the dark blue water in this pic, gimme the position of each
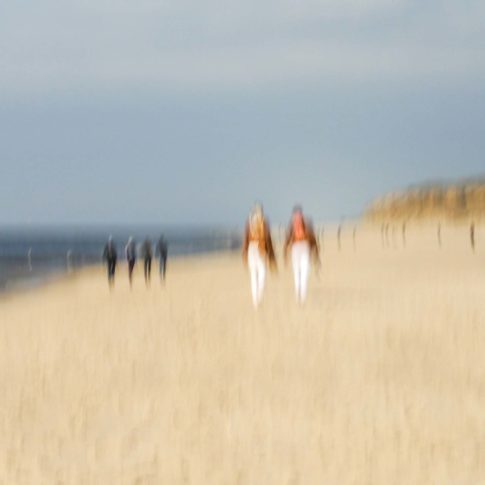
(28, 256)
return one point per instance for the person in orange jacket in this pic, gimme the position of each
(258, 251)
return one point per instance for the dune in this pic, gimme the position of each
(378, 379)
(461, 200)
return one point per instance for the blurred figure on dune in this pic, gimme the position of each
(110, 256)
(258, 251)
(130, 252)
(301, 241)
(147, 254)
(162, 252)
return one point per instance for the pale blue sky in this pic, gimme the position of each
(187, 111)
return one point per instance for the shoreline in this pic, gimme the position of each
(29, 256)
(61, 277)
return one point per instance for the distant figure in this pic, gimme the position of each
(472, 236)
(258, 251)
(162, 252)
(387, 234)
(147, 254)
(439, 234)
(301, 240)
(404, 234)
(130, 252)
(110, 256)
(69, 260)
(339, 233)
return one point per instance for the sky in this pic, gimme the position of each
(188, 111)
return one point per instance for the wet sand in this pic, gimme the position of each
(378, 379)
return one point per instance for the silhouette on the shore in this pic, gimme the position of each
(162, 253)
(147, 254)
(130, 252)
(110, 256)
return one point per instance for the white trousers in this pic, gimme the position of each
(257, 270)
(300, 258)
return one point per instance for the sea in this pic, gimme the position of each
(30, 255)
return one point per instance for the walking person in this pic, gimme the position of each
(162, 253)
(110, 256)
(258, 251)
(147, 254)
(302, 243)
(130, 252)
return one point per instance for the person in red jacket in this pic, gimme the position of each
(301, 241)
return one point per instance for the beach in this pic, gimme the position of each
(378, 379)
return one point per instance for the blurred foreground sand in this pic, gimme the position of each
(379, 379)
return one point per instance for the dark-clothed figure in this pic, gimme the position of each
(110, 256)
(147, 254)
(130, 251)
(162, 252)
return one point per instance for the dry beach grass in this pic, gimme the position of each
(378, 379)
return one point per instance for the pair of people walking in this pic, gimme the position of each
(258, 251)
(110, 256)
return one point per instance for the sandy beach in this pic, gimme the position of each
(378, 379)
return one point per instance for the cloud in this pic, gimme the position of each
(203, 45)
